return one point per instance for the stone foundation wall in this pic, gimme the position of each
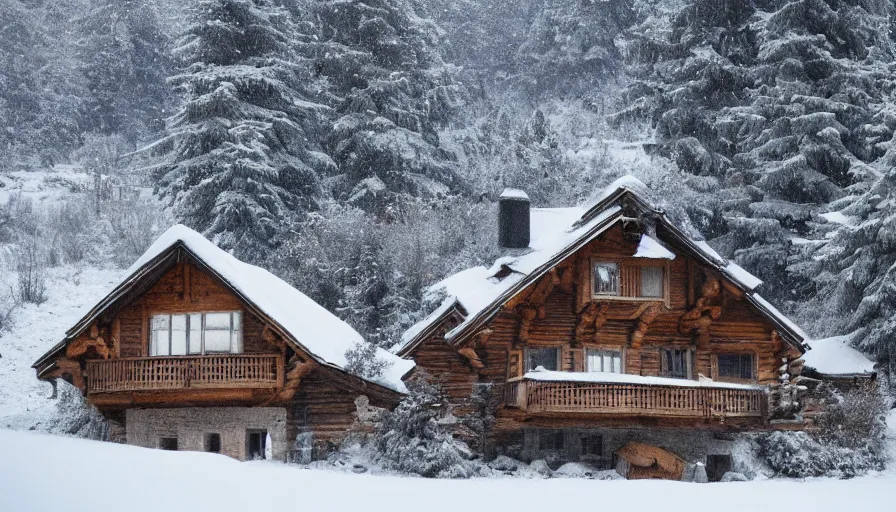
(190, 425)
(691, 445)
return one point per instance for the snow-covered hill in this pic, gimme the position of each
(40, 472)
(36, 328)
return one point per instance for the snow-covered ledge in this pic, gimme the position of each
(540, 374)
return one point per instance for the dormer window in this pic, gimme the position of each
(636, 278)
(606, 278)
(196, 334)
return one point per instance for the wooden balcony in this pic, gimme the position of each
(226, 371)
(536, 397)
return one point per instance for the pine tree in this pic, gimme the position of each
(242, 160)
(774, 99)
(40, 95)
(572, 44)
(125, 57)
(391, 91)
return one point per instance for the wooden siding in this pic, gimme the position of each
(641, 328)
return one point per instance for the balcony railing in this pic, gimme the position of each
(179, 372)
(634, 399)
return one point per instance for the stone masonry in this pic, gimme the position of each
(191, 426)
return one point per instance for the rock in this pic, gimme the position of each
(575, 470)
(700, 473)
(464, 450)
(733, 476)
(540, 466)
(608, 474)
(504, 463)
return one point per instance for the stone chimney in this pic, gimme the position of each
(513, 219)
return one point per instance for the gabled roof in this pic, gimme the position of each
(511, 274)
(303, 322)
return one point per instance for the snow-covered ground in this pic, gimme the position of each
(39, 472)
(36, 328)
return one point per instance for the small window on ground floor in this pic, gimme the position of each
(603, 360)
(168, 443)
(592, 445)
(256, 444)
(550, 440)
(548, 358)
(736, 366)
(213, 442)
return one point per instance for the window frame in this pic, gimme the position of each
(529, 348)
(602, 348)
(236, 342)
(622, 264)
(663, 282)
(690, 362)
(600, 261)
(754, 370)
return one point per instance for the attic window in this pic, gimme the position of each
(606, 278)
(196, 334)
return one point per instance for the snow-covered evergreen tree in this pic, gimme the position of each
(777, 101)
(241, 155)
(391, 91)
(412, 440)
(125, 57)
(40, 95)
(572, 44)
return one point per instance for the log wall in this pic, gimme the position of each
(564, 314)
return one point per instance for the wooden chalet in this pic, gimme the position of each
(609, 325)
(195, 350)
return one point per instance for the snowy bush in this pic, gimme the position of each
(848, 442)
(75, 417)
(411, 440)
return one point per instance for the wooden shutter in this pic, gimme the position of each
(664, 364)
(514, 363)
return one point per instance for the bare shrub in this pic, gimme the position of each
(31, 271)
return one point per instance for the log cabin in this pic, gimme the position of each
(609, 325)
(196, 350)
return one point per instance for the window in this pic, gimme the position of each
(168, 443)
(602, 360)
(652, 282)
(676, 363)
(735, 366)
(256, 441)
(592, 445)
(550, 440)
(213, 443)
(196, 333)
(606, 278)
(547, 358)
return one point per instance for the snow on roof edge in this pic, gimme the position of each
(625, 378)
(318, 331)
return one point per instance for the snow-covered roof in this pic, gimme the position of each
(834, 356)
(558, 232)
(312, 327)
(624, 378)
